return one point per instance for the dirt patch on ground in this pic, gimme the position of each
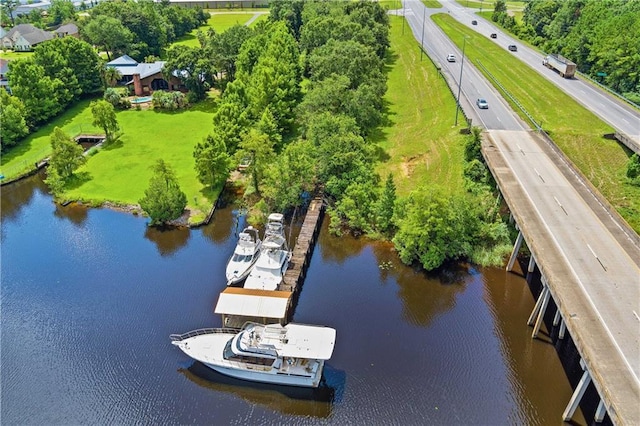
(409, 164)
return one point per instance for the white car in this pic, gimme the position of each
(482, 103)
(451, 57)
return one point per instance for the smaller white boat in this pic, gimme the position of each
(274, 258)
(244, 256)
(293, 354)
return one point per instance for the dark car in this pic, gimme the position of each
(494, 35)
(513, 48)
(474, 22)
(482, 103)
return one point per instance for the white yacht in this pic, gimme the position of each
(274, 257)
(293, 354)
(244, 256)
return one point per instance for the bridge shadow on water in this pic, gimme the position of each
(289, 400)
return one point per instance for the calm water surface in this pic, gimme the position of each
(89, 298)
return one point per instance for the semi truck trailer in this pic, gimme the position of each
(565, 67)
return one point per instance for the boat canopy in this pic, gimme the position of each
(308, 341)
(253, 303)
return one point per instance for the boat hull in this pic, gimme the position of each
(269, 377)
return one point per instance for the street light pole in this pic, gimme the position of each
(464, 43)
(424, 12)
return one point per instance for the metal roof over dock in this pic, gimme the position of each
(253, 303)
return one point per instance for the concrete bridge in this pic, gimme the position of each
(589, 260)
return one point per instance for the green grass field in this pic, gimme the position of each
(420, 144)
(489, 4)
(220, 22)
(10, 55)
(120, 172)
(577, 131)
(37, 146)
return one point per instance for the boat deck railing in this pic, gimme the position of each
(201, 331)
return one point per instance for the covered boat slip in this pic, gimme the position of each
(239, 305)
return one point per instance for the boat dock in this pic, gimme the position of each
(239, 305)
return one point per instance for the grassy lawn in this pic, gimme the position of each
(36, 146)
(577, 131)
(121, 171)
(489, 4)
(433, 4)
(220, 22)
(9, 55)
(420, 143)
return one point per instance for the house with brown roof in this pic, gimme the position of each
(144, 77)
(24, 37)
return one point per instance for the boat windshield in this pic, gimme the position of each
(241, 258)
(229, 355)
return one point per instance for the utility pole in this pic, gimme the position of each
(464, 43)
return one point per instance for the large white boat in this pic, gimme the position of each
(293, 354)
(274, 257)
(244, 255)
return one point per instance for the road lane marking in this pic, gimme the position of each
(561, 206)
(596, 256)
(539, 175)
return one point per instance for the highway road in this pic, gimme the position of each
(474, 86)
(591, 262)
(616, 113)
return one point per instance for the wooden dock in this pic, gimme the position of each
(303, 248)
(238, 305)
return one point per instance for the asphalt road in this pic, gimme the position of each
(610, 109)
(474, 86)
(591, 263)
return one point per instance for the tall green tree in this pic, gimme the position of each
(386, 206)
(14, 125)
(225, 49)
(291, 174)
(259, 149)
(434, 227)
(163, 200)
(194, 68)
(8, 7)
(37, 91)
(275, 79)
(213, 163)
(109, 34)
(231, 119)
(61, 11)
(67, 154)
(104, 116)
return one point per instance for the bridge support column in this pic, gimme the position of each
(557, 318)
(577, 395)
(539, 303)
(563, 329)
(545, 301)
(514, 253)
(532, 264)
(600, 412)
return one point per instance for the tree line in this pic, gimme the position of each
(299, 111)
(601, 36)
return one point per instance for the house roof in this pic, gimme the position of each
(128, 66)
(30, 33)
(124, 60)
(69, 28)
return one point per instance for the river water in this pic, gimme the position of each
(90, 296)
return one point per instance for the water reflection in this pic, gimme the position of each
(18, 195)
(168, 240)
(289, 400)
(76, 213)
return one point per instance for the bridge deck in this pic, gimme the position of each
(590, 261)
